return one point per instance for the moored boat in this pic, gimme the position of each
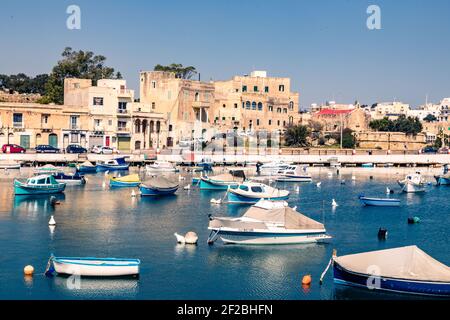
(159, 186)
(46, 169)
(5, 165)
(93, 267)
(272, 168)
(444, 178)
(69, 179)
(413, 183)
(86, 167)
(251, 192)
(379, 202)
(113, 165)
(161, 166)
(223, 181)
(42, 184)
(267, 223)
(404, 270)
(293, 174)
(131, 180)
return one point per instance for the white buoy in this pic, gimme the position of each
(298, 189)
(388, 191)
(353, 178)
(52, 221)
(104, 184)
(191, 238)
(318, 184)
(180, 238)
(106, 172)
(133, 193)
(216, 201)
(188, 187)
(334, 203)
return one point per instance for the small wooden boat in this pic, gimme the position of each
(251, 192)
(87, 167)
(413, 183)
(379, 202)
(93, 267)
(43, 184)
(113, 165)
(159, 186)
(69, 179)
(444, 178)
(404, 270)
(131, 180)
(223, 181)
(160, 166)
(9, 165)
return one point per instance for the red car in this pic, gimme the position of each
(12, 148)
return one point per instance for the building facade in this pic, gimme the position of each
(333, 120)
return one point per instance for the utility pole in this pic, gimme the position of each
(342, 131)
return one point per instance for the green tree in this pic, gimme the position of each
(23, 83)
(438, 143)
(295, 136)
(430, 118)
(76, 64)
(180, 71)
(403, 124)
(348, 139)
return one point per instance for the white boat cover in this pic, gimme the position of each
(162, 183)
(281, 215)
(226, 177)
(87, 164)
(409, 263)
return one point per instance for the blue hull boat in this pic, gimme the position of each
(151, 191)
(403, 270)
(441, 181)
(377, 202)
(113, 165)
(211, 184)
(83, 169)
(70, 179)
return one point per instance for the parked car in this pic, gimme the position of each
(429, 149)
(75, 148)
(45, 148)
(444, 150)
(13, 148)
(103, 150)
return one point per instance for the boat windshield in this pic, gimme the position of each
(257, 189)
(245, 188)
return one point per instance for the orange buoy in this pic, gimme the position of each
(306, 281)
(28, 270)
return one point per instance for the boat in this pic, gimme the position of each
(47, 169)
(413, 183)
(87, 167)
(272, 168)
(113, 165)
(161, 166)
(42, 184)
(404, 270)
(159, 186)
(5, 165)
(293, 174)
(232, 179)
(379, 202)
(93, 267)
(69, 179)
(251, 192)
(131, 180)
(444, 178)
(267, 223)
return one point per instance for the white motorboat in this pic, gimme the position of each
(272, 168)
(251, 192)
(161, 166)
(413, 183)
(9, 165)
(293, 174)
(268, 223)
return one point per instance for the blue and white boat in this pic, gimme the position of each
(131, 180)
(443, 179)
(251, 192)
(113, 165)
(159, 186)
(413, 183)
(223, 181)
(267, 223)
(402, 270)
(37, 185)
(379, 202)
(93, 267)
(69, 179)
(86, 167)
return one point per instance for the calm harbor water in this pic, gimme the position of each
(96, 221)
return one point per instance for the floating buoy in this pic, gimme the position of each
(388, 191)
(306, 281)
(28, 270)
(334, 203)
(343, 182)
(318, 184)
(353, 178)
(180, 238)
(133, 194)
(188, 187)
(413, 220)
(52, 221)
(382, 234)
(104, 184)
(191, 238)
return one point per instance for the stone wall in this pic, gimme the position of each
(395, 141)
(6, 96)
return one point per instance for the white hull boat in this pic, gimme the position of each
(95, 267)
(272, 168)
(293, 174)
(413, 183)
(160, 166)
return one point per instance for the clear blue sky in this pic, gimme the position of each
(322, 45)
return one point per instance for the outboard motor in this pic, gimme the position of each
(382, 234)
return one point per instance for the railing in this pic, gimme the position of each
(123, 129)
(18, 125)
(122, 111)
(125, 92)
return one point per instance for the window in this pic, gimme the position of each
(284, 123)
(257, 122)
(260, 106)
(253, 105)
(17, 120)
(281, 88)
(76, 85)
(255, 88)
(122, 107)
(242, 187)
(223, 118)
(291, 105)
(224, 105)
(97, 101)
(270, 122)
(153, 105)
(285, 110)
(278, 110)
(73, 122)
(247, 105)
(233, 118)
(154, 84)
(197, 97)
(235, 105)
(97, 123)
(121, 125)
(44, 118)
(110, 122)
(266, 89)
(257, 189)
(170, 128)
(271, 108)
(244, 88)
(74, 138)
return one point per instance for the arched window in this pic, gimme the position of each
(291, 120)
(144, 126)
(152, 126)
(197, 97)
(291, 105)
(137, 145)
(260, 106)
(247, 105)
(278, 110)
(137, 126)
(253, 105)
(158, 126)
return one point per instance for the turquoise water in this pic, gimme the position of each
(96, 221)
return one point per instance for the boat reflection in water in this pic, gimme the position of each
(80, 287)
(36, 203)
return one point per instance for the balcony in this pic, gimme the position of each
(18, 125)
(125, 93)
(123, 111)
(201, 104)
(123, 130)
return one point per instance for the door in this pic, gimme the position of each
(95, 141)
(25, 141)
(53, 140)
(107, 141)
(123, 143)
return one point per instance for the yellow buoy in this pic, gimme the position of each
(306, 280)
(28, 270)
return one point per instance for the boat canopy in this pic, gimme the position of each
(47, 167)
(224, 177)
(87, 164)
(400, 263)
(261, 214)
(162, 183)
(42, 179)
(129, 178)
